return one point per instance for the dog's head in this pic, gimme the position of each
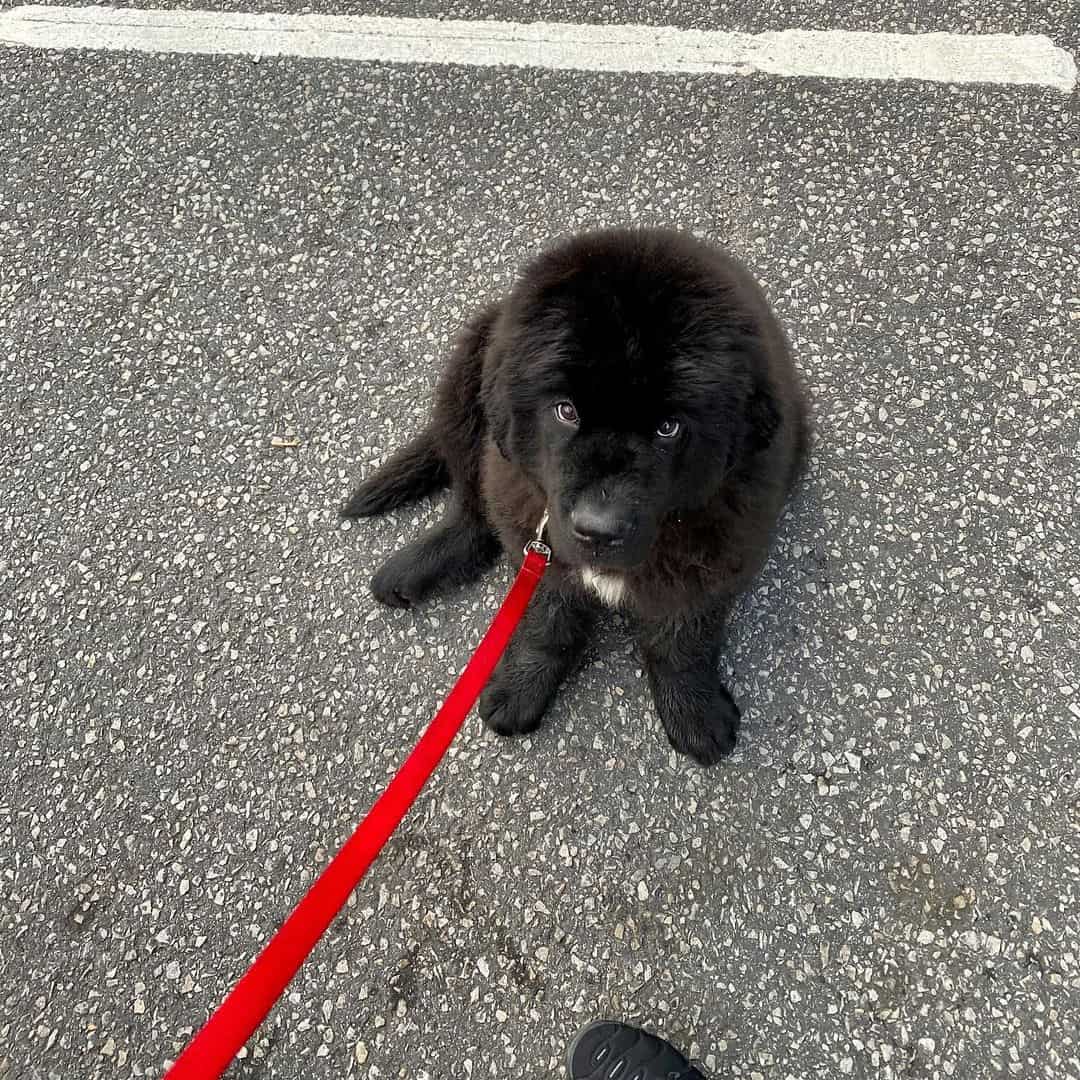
(621, 384)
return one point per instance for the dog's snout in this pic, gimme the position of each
(601, 523)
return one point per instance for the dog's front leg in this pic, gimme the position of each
(681, 660)
(545, 648)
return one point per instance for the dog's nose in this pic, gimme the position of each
(600, 523)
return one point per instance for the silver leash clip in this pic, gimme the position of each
(537, 542)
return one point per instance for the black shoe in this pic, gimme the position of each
(607, 1050)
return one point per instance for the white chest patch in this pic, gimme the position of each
(609, 587)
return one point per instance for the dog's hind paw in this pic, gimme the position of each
(400, 582)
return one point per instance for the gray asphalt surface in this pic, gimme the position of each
(201, 699)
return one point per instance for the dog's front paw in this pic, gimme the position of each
(701, 721)
(513, 704)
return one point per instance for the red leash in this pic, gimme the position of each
(208, 1055)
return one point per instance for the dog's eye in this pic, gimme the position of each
(565, 413)
(668, 429)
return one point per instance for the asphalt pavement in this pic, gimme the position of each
(200, 256)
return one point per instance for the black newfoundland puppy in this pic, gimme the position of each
(636, 385)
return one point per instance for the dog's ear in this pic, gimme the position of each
(753, 414)
(499, 417)
(762, 417)
(495, 392)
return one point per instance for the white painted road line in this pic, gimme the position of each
(836, 54)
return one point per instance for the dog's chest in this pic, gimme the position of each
(611, 588)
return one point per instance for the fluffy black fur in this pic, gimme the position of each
(635, 383)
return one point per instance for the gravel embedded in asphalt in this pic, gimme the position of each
(199, 255)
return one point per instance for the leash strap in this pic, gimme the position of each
(209, 1054)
